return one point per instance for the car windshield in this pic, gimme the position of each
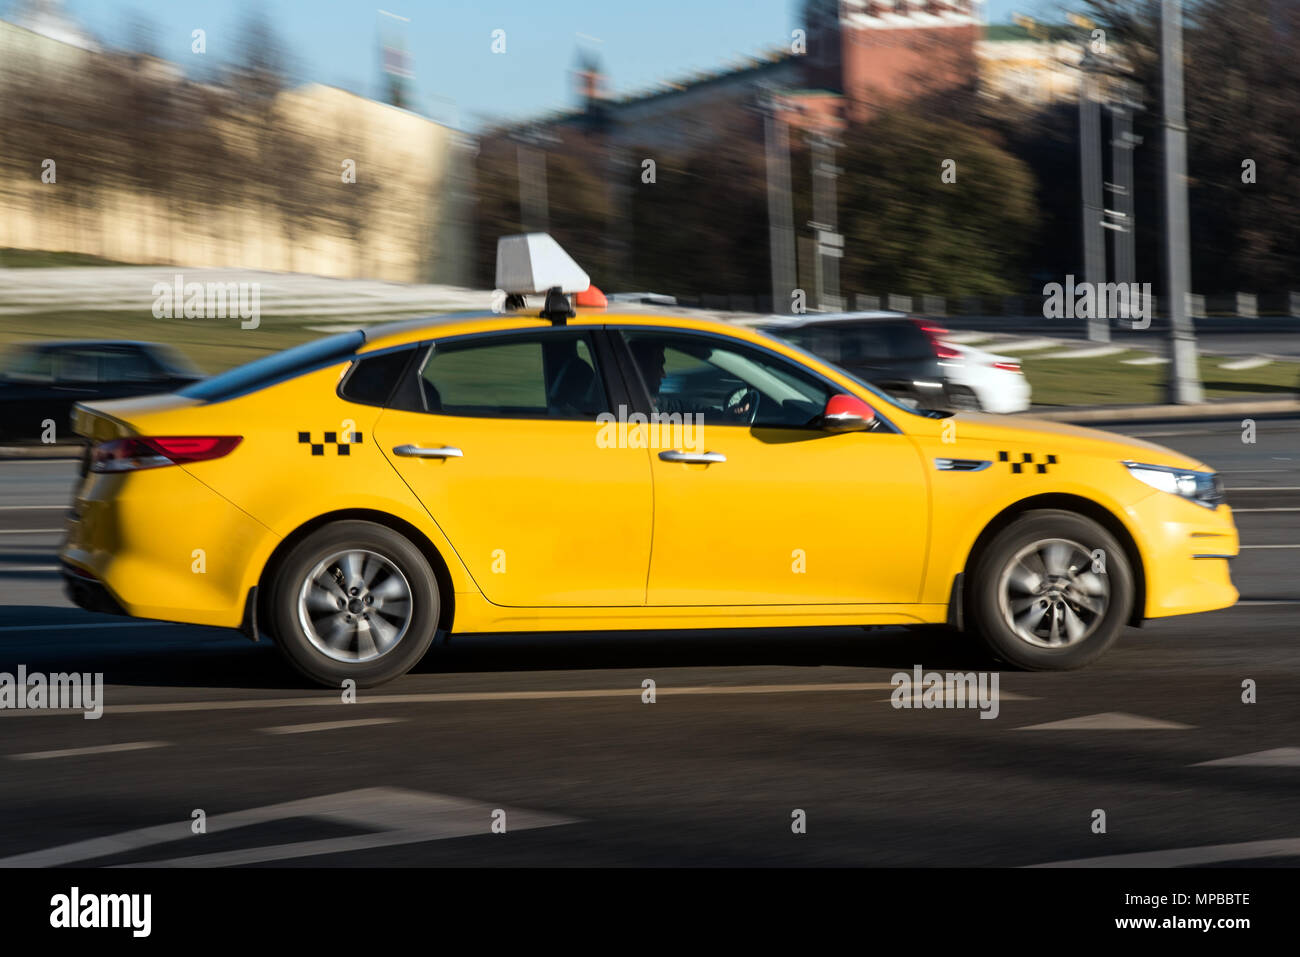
(271, 369)
(874, 390)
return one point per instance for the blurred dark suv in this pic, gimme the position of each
(892, 351)
(43, 380)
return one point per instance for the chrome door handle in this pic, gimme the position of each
(699, 458)
(416, 452)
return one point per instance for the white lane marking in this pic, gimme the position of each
(1267, 546)
(1188, 856)
(1275, 758)
(27, 568)
(458, 696)
(1162, 435)
(1238, 511)
(1268, 601)
(1254, 362)
(1094, 352)
(1108, 721)
(1244, 471)
(98, 749)
(1146, 361)
(88, 626)
(1027, 345)
(28, 531)
(19, 508)
(1265, 488)
(329, 725)
(397, 815)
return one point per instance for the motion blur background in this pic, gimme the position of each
(942, 157)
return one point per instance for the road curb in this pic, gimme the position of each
(1162, 413)
(63, 450)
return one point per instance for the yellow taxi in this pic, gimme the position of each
(357, 496)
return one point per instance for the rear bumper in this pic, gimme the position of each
(160, 544)
(86, 591)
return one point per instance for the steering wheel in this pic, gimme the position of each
(742, 405)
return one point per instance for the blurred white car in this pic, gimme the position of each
(984, 381)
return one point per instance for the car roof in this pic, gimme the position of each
(390, 334)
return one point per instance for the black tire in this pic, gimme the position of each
(303, 648)
(991, 591)
(963, 399)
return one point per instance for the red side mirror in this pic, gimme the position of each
(847, 413)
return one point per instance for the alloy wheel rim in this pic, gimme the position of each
(1049, 595)
(355, 606)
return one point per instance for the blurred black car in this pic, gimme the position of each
(43, 380)
(890, 350)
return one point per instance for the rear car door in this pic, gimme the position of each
(773, 511)
(498, 436)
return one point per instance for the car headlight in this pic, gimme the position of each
(1203, 488)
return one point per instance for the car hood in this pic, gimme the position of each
(1062, 435)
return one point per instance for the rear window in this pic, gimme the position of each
(271, 369)
(172, 360)
(30, 365)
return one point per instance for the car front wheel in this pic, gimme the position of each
(354, 600)
(1051, 592)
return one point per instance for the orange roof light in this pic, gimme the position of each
(590, 298)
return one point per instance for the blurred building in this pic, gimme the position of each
(48, 19)
(273, 195)
(1034, 64)
(850, 60)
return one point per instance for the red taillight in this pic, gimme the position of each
(1007, 366)
(130, 455)
(933, 332)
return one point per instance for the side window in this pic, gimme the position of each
(728, 384)
(539, 375)
(865, 342)
(126, 365)
(372, 379)
(76, 365)
(907, 341)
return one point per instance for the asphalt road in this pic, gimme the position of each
(747, 729)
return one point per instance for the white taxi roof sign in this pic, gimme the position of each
(531, 263)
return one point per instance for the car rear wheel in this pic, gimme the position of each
(963, 399)
(1051, 592)
(354, 600)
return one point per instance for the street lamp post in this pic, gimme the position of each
(1094, 242)
(830, 243)
(1184, 378)
(1122, 219)
(780, 215)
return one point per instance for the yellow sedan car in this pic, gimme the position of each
(357, 496)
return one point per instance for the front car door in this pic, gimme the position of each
(757, 505)
(501, 444)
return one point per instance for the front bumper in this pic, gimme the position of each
(1185, 549)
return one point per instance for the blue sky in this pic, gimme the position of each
(458, 79)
